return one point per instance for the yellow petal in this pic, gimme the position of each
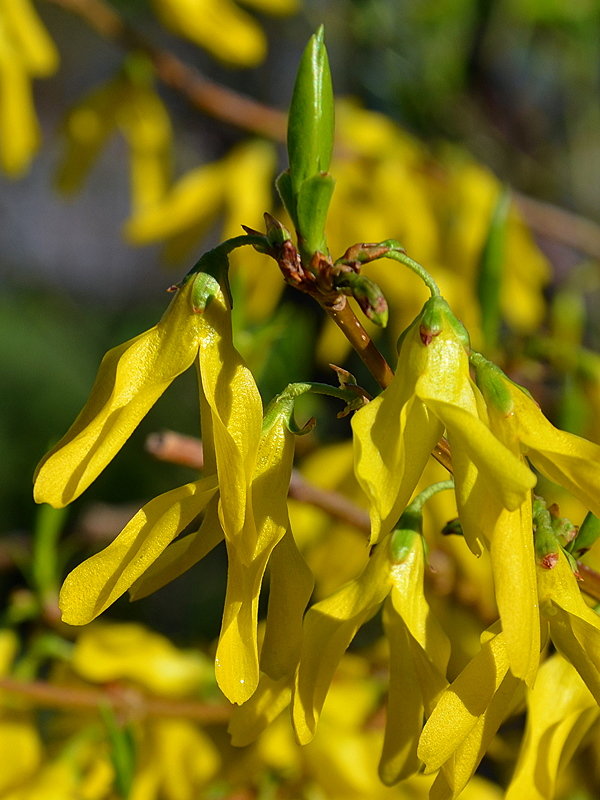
(236, 418)
(236, 662)
(94, 585)
(566, 459)
(560, 711)
(130, 380)
(329, 627)
(393, 437)
(110, 652)
(268, 701)
(221, 27)
(290, 587)
(405, 707)
(463, 703)
(181, 555)
(35, 48)
(19, 130)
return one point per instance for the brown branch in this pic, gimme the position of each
(560, 225)
(214, 99)
(127, 702)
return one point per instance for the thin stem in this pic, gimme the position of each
(420, 500)
(360, 340)
(125, 700)
(398, 255)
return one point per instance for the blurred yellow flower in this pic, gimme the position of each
(26, 51)
(221, 27)
(127, 103)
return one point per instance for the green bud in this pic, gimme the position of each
(547, 546)
(311, 118)
(493, 384)
(205, 288)
(588, 534)
(277, 233)
(367, 293)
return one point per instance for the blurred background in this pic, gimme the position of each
(114, 181)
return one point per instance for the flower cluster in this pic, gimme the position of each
(496, 433)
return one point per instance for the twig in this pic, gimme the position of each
(129, 703)
(560, 225)
(212, 98)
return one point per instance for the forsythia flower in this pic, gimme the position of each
(127, 103)
(419, 650)
(560, 711)
(467, 716)
(432, 391)
(26, 51)
(130, 380)
(221, 26)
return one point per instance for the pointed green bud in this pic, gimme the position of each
(367, 294)
(311, 118)
(277, 233)
(588, 534)
(493, 383)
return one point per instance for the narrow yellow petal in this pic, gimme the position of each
(463, 703)
(513, 564)
(329, 627)
(393, 437)
(130, 380)
(290, 587)
(405, 707)
(181, 555)
(35, 48)
(94, 585)
(236, 416)
(19, 129)
(268, 701)
(236, 662)
(560, 711)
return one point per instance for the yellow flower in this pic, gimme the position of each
(573, 626)
(127, 103)
(560, 711)
(221, 27)
(432, 391)
(566, 459)
(419, 650)
(134, 375)
(468, 714)
(104, 653)
(26, 50)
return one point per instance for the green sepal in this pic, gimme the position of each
(311, 117)
(403, 539)
(493, 384)
(205, 289)
(312, 205)
(122, 751)
(588, 534)
(367, 293)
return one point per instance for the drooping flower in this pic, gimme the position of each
(131, 378)
(419, 650)
(431, 392)
(560, 711)
(467, 715)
